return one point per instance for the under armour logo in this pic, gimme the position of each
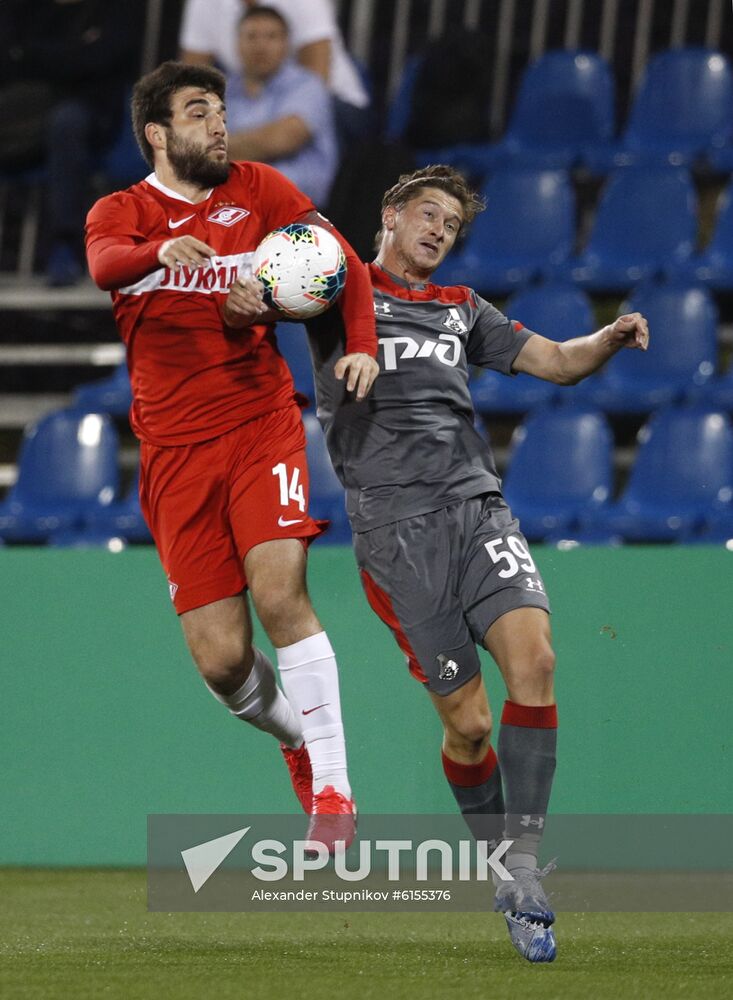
(529, 821)
(382, 309)
(448, 668)
(534, 585)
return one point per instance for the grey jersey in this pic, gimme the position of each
(411, 446)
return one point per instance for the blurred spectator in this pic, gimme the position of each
(208, 34)
(278, 112)
(63, 73)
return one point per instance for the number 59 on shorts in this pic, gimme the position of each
(512, 553)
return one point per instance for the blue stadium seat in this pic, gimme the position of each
(721, 160)
(565, 107)
(526, 231)
(682, 112)
(683, 322)
(561, 469)
(112, 394)
(122, 518)
(292, 342)
(717, 393)
(645, 225)
(326, 492)
(714, 266)
(718, 526)
(555, 311)
(86, 538)
(67, 466)
(683, 471)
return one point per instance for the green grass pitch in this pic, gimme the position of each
(86, 934)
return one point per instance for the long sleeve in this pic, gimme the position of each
(118, 254)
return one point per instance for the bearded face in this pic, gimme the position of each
(194, 163)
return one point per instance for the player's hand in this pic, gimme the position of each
(184, 251)
(631, 330)
(362, 371)
(244, 305)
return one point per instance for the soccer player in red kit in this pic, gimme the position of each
(224, 481)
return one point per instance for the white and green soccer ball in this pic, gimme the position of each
(302, 268)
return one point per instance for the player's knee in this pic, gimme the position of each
(533, 677)
(471, 733)
(544, 663)
(286, 613)
(223, 662)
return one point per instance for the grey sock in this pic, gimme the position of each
(527, 754)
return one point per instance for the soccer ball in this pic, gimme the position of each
(303, 269)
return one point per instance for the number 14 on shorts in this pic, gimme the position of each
(291, 488)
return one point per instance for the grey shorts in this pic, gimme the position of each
(439, 580)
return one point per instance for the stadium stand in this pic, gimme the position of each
(717, 393)
(563, 112)
(527, 230)
(67, 466)
(683, 358)
(682, 113)
(714, 266)
(121, 518)
(645, 226)
(112, 394)
(560, 470)
(683, 471)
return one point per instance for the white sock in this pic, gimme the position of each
(309, 677)
(261, 703)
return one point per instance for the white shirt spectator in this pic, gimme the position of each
(211, 26)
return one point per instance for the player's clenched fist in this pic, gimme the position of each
(631, 330)
(184, 251)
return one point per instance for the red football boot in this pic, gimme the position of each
(333, 819)
(301, 776)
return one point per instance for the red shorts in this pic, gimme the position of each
(208, 504)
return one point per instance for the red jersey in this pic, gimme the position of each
(193, 377)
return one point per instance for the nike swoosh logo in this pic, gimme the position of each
(307, 711)
(175, 225)
(284, 524)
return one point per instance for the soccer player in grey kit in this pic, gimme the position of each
(442, 560)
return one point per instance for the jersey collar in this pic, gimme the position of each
(415, 287)
(153, 181)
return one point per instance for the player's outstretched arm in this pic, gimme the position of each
(573, 360)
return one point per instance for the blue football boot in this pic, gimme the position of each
(527, 913)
